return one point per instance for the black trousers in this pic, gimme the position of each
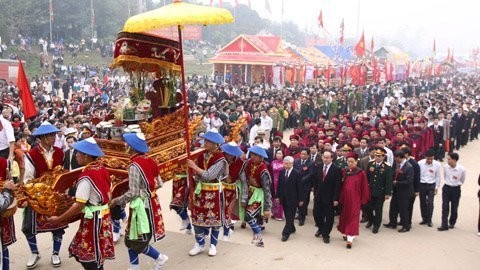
(450, 200)
(302, 210)
(427, 193)
(5, 153)
(91, 266)
(324, 215)
(399, 205)
(374, 210)
(411, 202)
(289, 211)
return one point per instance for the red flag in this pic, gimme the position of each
(407, 73)
(28, 107)
(320, 19)
(434, 47)
(267, 6)
(51, 10)
(391, 73)
(372, 45)
(342, 27)
(360, 47)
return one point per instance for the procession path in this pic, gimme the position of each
(421, 248)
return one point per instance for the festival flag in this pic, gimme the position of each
(360, 47)
(267, 7)
(451, 57)
(434, 47)
(407, 73)
(391, 73)
(342, 27)
(372, 45)
(448, 55)
(28, 106)
(320, 19)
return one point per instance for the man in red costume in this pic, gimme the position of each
(207, 210)
(7, 226)
(93, 242)
(257, 197)
(145, 209)
(354, 193)
(39, 161)
(232, 185)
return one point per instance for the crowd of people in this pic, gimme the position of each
(352, 147)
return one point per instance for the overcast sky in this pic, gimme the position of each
(453, 23)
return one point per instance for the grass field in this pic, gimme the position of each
(93, 59)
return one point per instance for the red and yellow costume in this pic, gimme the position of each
(7, 225)
(231, 187)
(207, 200)
(93, 242)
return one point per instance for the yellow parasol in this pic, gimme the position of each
(178, 14)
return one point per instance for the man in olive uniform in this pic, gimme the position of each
(380, 176)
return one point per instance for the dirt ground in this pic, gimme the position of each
(421, 248)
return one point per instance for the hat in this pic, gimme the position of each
(380, 151)
(69, 131)
(352, 155)
(328, 141)
(89, 146)
(347, 147)
(295, 137)
(45, 128)
(232, 149)
(213, 136)
(257, 150)
(136, 141)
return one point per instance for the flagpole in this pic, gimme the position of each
(358, 18)
(51, 15)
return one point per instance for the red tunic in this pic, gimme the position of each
(230, 191)
(355, 193)
(7, 224)
(36, 157)
(93, 242)
(253, 173)
(207, 205)
(149, 171)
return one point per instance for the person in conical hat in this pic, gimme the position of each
(38, 161)
(210, 169)
(257, 198)
(232, 185)
(93, 242)
(144, 178)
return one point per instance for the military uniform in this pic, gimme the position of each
(380, 177)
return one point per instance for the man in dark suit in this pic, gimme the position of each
(274, 147)
(402, 192)
(328, 181)
(380, 176)
(70, 160)
(362, 151)
(305, 166)
(289, 194)
(416, 179)
(437, 140)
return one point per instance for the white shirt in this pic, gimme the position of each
(454, 177)
(30, 169)
(389, 156)
(6, 134)
(86, 193)
(266, 123)
(253, 134)
(430, 173)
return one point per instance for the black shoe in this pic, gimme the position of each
(441, 229)
(318, 233)
(423, 222)
(369, 224)
(430, 224)
(244, 225)
(301, 222)
(363, 220)
(284, 238)
(452, 226)
(375, 229)
(326, 240)
(294, 230)
(349, 245)
(390, 226)
(399, 223)
(344, 238)
(402, 230)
